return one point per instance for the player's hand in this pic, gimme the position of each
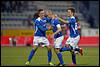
(56, 15)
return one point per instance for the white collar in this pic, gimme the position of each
(72, 17)
(38, 18)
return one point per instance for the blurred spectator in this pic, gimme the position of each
(18, 6)
(29, 21)
(63, 25)
(24, 5)
(3, 7)
(8, 6)
(86, 4)
(13, 6)
(91, 21)
(12, 41)
(64, 28)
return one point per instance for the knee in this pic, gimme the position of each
(35, 48)
(72, 52)
(57, 50)
(48, 48)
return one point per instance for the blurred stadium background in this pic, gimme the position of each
(16, 28)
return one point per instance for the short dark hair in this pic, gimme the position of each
(72, 9)
(39, 10)
(35, 15)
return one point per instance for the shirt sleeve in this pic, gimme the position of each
(58, 26)
(57, 23)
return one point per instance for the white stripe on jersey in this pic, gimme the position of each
(36, 29)
(73, 29)
(58, 26)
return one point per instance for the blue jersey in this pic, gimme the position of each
(54, 23)
(73, 27)
(40, 27)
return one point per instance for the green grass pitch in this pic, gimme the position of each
(17, 56)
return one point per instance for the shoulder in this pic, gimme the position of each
(56, 20)
(73, 19)
(38, 19)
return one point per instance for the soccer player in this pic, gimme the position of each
(74, 37)
(40, 36)
(57, 35)
(79, 30)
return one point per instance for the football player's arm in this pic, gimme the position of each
(41, 27)
(62, 20)
(78, 22)
(58, 29)
(79, 25)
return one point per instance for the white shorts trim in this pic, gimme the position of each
(58, 42)
(73, 41)
(38, 39)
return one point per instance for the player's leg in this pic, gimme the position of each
(35, 47)
(73, 53)
(49, 54)
(73, 44)
(67, 47)
(31, 54)
(76, 41)
(76, 51)
(79, 50)
(57, 46)
(59, 55)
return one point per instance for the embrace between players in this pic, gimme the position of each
(41, 27)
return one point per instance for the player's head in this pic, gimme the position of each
(49, 13)
(41, 13)
(70, 11)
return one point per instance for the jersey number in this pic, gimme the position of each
(75, 26)
(74, 29)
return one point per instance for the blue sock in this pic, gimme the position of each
(31, 54)
(65, 49)
(60, 58)
(74, 58)
(49, 56)
(77, 49)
